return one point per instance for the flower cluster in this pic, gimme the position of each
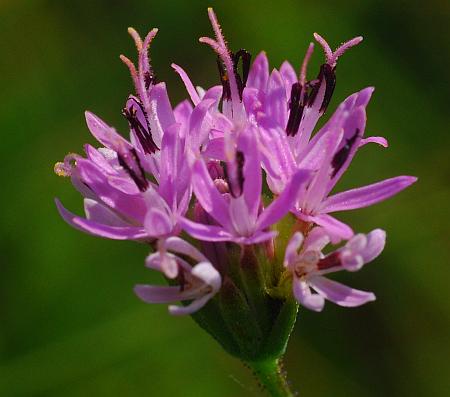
(232, 187)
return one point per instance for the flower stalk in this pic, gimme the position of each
(272, 377)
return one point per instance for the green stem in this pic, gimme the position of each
(272, 377)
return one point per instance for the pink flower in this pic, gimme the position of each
(308, 267)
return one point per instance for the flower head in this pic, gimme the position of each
(218, 185)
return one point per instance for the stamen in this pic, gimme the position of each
(331, 56)
(325, 46)
(342, 154)
(326, 72)
(302, 76)
(132, 69)
(136, 37)
(143, 133)
(332, 260)
(299, 96)
(234, 174)
(226, 90)
(131, 164)
(65, 168)
(245, 56)
(296, 106)
(220, 47)
(345, 46)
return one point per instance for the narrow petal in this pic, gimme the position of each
(105, 134)
(97, 212)
(206, 272)
(157, 294)
(194, 306)
(367, 195)
(160, 113)
(337, 230)
(195, 98)
(379, 140)
(289, 76)
(304, 296)
(157, 223)
(339, 293)
(100, 230)
(284, 202)
(259, 72)
(292, 248)
(205, 232)
(131, 205)
(252, 170)
(181, 246)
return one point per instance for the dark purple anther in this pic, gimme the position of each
(226, 93)
(341, 155)
(332, 260)
(149, 79)
(328, 75)
(234, 175)
(143, 133)
(296, 106)
(245, 56)
(131, 164)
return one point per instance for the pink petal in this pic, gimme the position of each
(180, 246)
(195, 98)
(304, 296)
(105, 134)
(100, 213)
(339, 293)
(292, 248)
(97, 229)
(252, 170)
(337, 230)
(158, 294)
(374, 139)
(205, 232)
(367, 195)
(259, 72)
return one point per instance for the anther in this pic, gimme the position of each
(241, 81)
(329, 261)
(131, 164)
(223, 73)
(296, 106)
(326, 73)
(234, 174)
(342, 154)
(143, 133)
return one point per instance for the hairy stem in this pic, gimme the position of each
(271, 377)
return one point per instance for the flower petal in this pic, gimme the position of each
(205, 232)
(374, 139)
(195, 98)
(304, 296)
(105, 134)
(337, 230)
(259, 72)
(339, 293)
(292, 248)
(367, 195)
(100, 230)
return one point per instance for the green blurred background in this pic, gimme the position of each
(70, 324)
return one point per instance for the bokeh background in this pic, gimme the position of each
(69, 322)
